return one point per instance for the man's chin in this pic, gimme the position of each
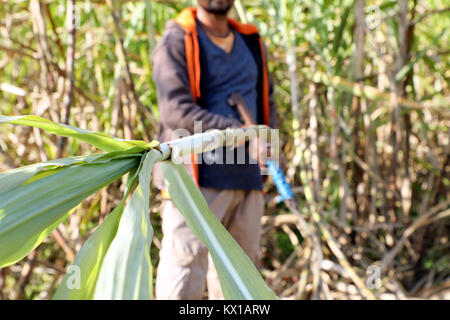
(218, 10)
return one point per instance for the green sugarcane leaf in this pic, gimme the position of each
(97, 139)
(29, 213)
(89, 259)
(340, 30)
(238, 276)
(14, 178)
(126, 272)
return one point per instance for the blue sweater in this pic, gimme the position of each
(222, 74)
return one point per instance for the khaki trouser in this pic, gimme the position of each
(185, 264)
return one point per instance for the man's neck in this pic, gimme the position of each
(217, 24)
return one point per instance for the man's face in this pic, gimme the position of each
(220, 7)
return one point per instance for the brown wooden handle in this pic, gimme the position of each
(237, 101)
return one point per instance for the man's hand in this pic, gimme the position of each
(259, 149)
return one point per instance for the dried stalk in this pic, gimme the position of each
(70, 66)
(435, 213)
(144, 112)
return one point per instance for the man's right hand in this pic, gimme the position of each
(259, 150)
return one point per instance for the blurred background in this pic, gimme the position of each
(363, 97)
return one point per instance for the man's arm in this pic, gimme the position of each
(175, 101)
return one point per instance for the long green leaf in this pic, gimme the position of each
(238, 276)
(14, 178)
(29, 213)
(126, 272)
(90, 258)
(97, 139)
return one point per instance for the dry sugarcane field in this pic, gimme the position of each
(362, 96)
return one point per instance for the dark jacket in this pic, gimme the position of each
(177, 71)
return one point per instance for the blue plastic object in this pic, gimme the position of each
(280, 181)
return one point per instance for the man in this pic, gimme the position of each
(203, 62)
